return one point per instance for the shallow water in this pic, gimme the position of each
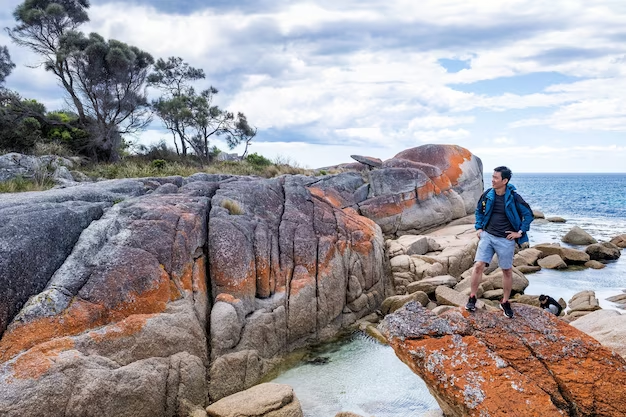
(367, 378)
(361, 376)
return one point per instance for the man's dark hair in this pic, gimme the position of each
(543, 297)
(504, 172)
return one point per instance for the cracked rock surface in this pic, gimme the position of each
(485, 364)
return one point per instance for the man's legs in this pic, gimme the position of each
(506, 250)
(477, 275)
(484, 253)
(507, 283)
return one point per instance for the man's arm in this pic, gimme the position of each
(479, 213)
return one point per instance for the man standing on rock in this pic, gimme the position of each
(502, 220)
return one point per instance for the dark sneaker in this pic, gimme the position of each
(508, 311)
(471, 304)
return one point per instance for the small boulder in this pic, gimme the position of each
(418, 247)
(619, 241)
(595, 265)
(605, 251)
(448, 296)
(529, 269)
(494, 294)
(619, 299)
(538, 214)
(428, 285)
(268, 399)
(556, 219)
(583, 301)
(573, 256)
(527, 257)
(394, 302)
(552, 262)
(577, 236)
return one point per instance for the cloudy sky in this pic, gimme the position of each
(535, 85)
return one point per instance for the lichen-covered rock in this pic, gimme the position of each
(123, 317)
(482, 363)
(423, 187)
(156, 296)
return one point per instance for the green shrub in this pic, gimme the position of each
(258, 160)
(158, 164)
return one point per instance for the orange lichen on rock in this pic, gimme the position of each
(226, 298)
(264, 281)
(455, 160)
(448, 158)
(330, 196)
(486, 364)
(427, 190)
(199, 284)
(81, 316)
(125, 328)
(237, 285)
(390, 205)
(37, 361)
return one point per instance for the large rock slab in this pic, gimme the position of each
(607, 327)
(483, 363)
(123, 317)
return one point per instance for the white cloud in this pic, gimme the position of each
(366, 73)
(504, 141)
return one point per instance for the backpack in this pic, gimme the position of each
(517, 198)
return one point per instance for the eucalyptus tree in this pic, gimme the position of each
(105, 80)
(173, 78)
(111, 83)
(42, 26)
(192, 117)
(6, 65)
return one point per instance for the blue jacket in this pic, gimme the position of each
(517, 211)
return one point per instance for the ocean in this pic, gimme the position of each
(594, 202)
(364, 377)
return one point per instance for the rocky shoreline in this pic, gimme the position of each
(164, 296)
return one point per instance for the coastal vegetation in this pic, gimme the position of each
(105, 82)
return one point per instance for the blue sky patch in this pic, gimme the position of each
(454, 65)
(519, 84)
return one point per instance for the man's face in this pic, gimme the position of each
(496, 180)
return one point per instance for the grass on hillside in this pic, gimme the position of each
(137, 168)
(20, 185)
(147, 166)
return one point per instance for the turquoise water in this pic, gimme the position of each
(364, 377)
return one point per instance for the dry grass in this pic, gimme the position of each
(136, 168)
(20, 185)
(232, 206)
